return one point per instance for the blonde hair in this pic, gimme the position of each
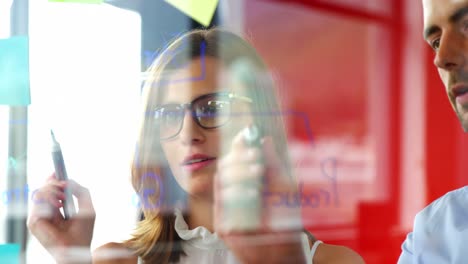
(155, 239)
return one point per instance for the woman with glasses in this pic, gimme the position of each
(212, 150)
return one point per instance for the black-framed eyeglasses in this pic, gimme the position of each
(209, 111)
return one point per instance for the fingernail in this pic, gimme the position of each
(257, 168)
(252, 153)
(266, 140)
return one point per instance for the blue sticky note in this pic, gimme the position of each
(14, 71)
(10, 253)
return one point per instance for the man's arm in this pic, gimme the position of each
(407, 250)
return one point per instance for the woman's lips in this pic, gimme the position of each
(194, 166)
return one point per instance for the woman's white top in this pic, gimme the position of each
(202, 246)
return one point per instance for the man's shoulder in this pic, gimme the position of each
(439, 228)
(450, 205)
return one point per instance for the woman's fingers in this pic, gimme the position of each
(238, 142)
(241, 209)
(48, 225)
(246, 174)
(85, 204)
(242, 165)
(238, 188)
(47, 199)
(54, 196)
(45, 218)
(244, 154)
(271, 156)
(248, 185)
(45, 231)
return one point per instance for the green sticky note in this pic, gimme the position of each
(14, 71)
(79, 1)
(201, 11)
(10, 253)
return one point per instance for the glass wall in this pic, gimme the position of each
(352, 79)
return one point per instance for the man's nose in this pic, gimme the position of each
(451, 53)
(191, 132)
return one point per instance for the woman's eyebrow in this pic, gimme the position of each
(166, 104)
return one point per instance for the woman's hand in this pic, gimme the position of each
(248, 216)
(67, 240)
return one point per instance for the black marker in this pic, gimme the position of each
(61, 175)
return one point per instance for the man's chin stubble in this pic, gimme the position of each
(463, 122)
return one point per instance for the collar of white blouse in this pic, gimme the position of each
(199, 237)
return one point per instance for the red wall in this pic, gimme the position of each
(333, 62)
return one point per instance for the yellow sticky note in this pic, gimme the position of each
(201, 11)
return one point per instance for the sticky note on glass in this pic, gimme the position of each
(14, 71)
(79, 1)
(10, 253)
(201, 11)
